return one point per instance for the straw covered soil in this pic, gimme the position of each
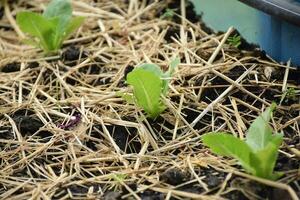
(65, 132)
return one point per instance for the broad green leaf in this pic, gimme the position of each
(147, 90)
(37, 26)
(58, 8)
(156, 70)
(152, 68)
(264, 160)
(72, 26)
(33, 23)
(227, 145)
(62, 11)
(258, 154)
(52, 28)
(260, 133)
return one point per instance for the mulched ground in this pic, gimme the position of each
(65, 132)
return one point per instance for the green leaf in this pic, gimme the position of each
(228, 145)
(74, 24)
(52, 28)
(147, 89)
(235, 40)
(152, 68)
(157, 71)
(58, 8)
(37, 26)
(258, 154)
(62, 11)
(265, 159)
(168, 14)
(260, 133)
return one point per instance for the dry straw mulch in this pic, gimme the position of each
(90, 142)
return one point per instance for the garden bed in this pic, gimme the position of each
(66, 133)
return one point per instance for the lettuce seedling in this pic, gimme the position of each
(258, 153)
(149, 83)
(50, 29)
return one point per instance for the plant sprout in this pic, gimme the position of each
(258, 153)
(235, 40)
(50, 29)
(149, 84)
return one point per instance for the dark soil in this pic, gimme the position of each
(151, 195)
(174, 176)
(126, 138)
(73, 53)
(6, 133)
(28, 124)
(11, 67)
(191, 113)
(158, 126)
(127, 70)
(33, 65)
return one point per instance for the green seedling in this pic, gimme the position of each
(119, 177)
(235, 40)
(258, 153)
(168, 14)
(117, 180)
(149, 84)
(289, 94)
(50, 29)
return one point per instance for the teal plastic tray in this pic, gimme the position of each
(272, 24)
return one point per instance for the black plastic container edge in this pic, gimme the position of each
(288, 10)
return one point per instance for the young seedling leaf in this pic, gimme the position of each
(149, 83)
(258, 154)
(235, 40)
(157, 71)
(52, 28)
(147, 89)
(227, 145)
(265, 159)
(260, 133)
(36, 25)
(168, 14)
(62, 10)
(74, 24)
(152, 68)
(58, 8)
